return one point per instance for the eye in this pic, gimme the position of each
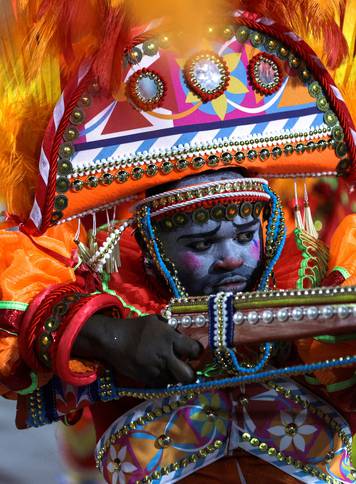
(244, 237)
(200, 245)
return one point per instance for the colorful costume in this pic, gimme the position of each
(252, 94)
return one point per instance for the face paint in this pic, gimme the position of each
(192, 262)
(255, 249)
(215, 256)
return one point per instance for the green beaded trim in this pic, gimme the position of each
(329, 339)
(344, 272)
(314, 273)
(32, 387)
(105, 284)
(16, 305)
(332, 387)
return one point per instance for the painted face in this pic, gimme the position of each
(215, 256)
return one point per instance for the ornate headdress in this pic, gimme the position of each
(147, 106)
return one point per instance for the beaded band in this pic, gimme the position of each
(33, 324)
(48, 336)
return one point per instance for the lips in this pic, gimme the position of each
(237, 283)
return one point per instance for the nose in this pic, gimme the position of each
(228, 263)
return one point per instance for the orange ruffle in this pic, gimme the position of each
(26, 270)
(9, 354)
(343, 247)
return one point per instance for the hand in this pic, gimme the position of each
(145, 349)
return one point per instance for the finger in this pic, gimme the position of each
(186, 347)
(164, 379)
(182, 372)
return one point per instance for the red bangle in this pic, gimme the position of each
(34, 318)
(79, 315)
(47, 337)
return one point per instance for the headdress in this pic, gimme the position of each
(250, 93)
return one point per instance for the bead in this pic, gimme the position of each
(186, 321)
(255, 442)
(150, 47)
(242, 34)
(312, 312)
(166, 167)
(267, 316)
(239, 157)
(343, 312)
(77, 116)
(134, 56)
(291, 429)
(200, 321)
(137, 173)
(173, 322)
(238, 318)
(198, 162)
(61, 202)
(264, 154)
(71, 133)
(297, 314)
(282, 315)
(151, 170)
(226, 158)
(62, 185)
(327, 312)
(77, 185)
(64, 167)
(122, 176)
(246, 437)
(252, 317)
(213, 160)
(106, 179)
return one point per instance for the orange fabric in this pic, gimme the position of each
(25, 270)
(9, 354)
(343, 247)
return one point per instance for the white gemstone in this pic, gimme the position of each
(173, 322)
(238, 318)
(297, 314)
(327, 312)
(147, 88)
(253, 317)
(312, 312)
(282, 314)
(343, 312)
(186, 321)
(200, 320)
(267, 316)
(207, 73)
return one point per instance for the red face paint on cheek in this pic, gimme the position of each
(255, 249)
(191, 261)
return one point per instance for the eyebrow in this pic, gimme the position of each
(245, 226)
(201, 234)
